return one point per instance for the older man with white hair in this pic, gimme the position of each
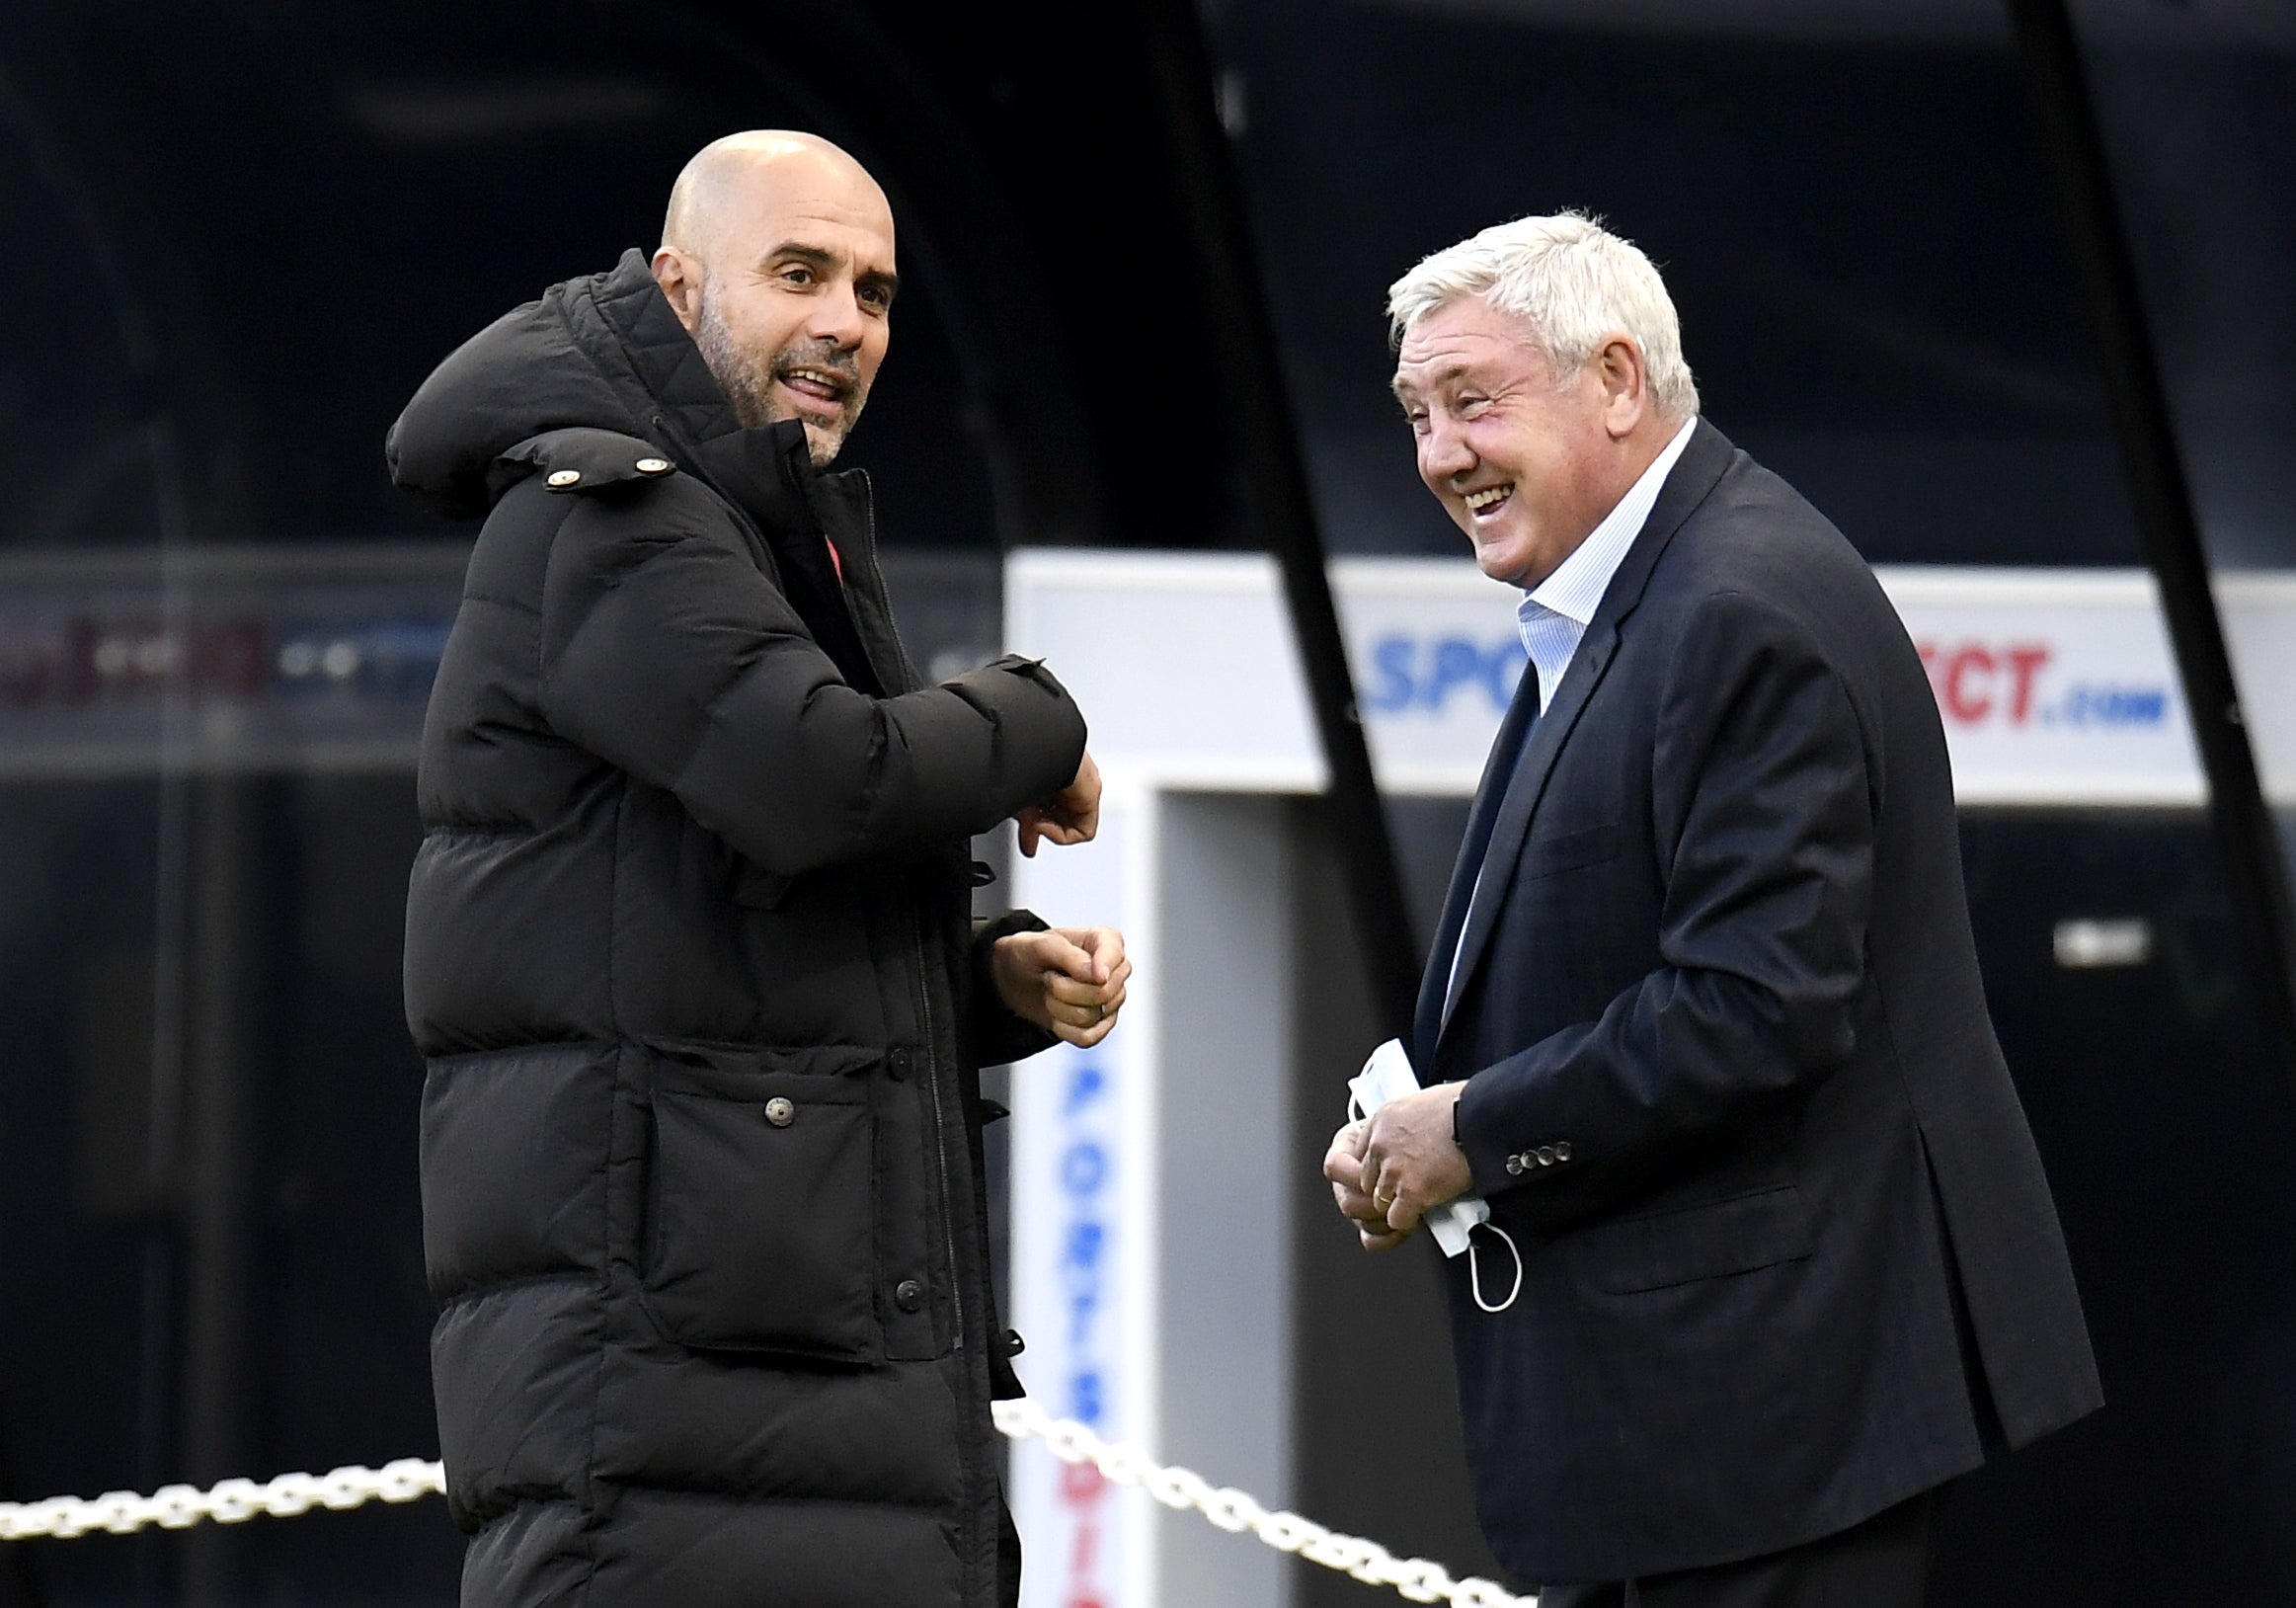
(1703, 1023)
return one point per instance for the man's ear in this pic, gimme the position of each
(679, 276)
(1625, 387)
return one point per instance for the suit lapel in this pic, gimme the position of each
(1489, 793)
(1707, 453)
(1522, 797)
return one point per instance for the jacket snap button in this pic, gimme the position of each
(780, 1111)
(651, 466)
(909, 1295)
(898, 1062)
(564, 477)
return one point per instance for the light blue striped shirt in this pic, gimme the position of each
(1554, 614)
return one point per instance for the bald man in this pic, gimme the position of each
(689, 948)
(777, 258)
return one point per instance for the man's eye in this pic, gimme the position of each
(798, 275)
(1469, 406)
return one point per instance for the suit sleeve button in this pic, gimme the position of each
(1563, 1150)
(909, 1295)
(1514, 1166)
(1549, 1155)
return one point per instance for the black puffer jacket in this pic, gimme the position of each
(690, 955)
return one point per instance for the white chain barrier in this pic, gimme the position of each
(410, 1479)
(1417, 1578)
(234, 1501)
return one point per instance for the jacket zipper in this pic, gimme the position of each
(948, 1212)
(924, 1002)
(925, 1011)
(932, 1077)
(884, 592)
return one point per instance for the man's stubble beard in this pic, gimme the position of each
(748, 382)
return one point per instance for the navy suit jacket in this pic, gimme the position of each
(1788, 1256)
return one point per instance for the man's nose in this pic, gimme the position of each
(1444, 452)
(836, 317)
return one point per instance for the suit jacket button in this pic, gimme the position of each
(1514, 1166)
(909, 1295)
(1563, 1150)
(1547, 1155)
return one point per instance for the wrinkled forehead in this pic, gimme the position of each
(1462, 336)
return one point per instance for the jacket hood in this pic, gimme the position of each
(603, 350)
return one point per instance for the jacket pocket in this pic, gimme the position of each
(761, 1203)
(1568, 850)
(1691, 1243)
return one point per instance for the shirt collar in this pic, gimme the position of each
(1575, 589)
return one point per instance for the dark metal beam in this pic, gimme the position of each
(1252, 367)
(2074, 146)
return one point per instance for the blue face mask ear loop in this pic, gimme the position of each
(1475, 1271)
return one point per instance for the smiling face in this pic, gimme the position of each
(780, 264)
(1526, 467)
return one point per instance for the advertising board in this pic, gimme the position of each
(2054, 686)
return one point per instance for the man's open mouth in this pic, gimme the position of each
(1487, 501)
(825, 389)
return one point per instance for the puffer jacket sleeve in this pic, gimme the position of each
(669, 652)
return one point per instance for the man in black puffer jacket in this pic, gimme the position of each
(689, 950)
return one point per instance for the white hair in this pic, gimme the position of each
(1573, 284)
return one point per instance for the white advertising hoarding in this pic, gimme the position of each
(2055, 687)
(1084, 1247)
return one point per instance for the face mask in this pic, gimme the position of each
(1387, 1076)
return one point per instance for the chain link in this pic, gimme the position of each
(410, 1479)
(234, 1501)
(1417, 1579)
